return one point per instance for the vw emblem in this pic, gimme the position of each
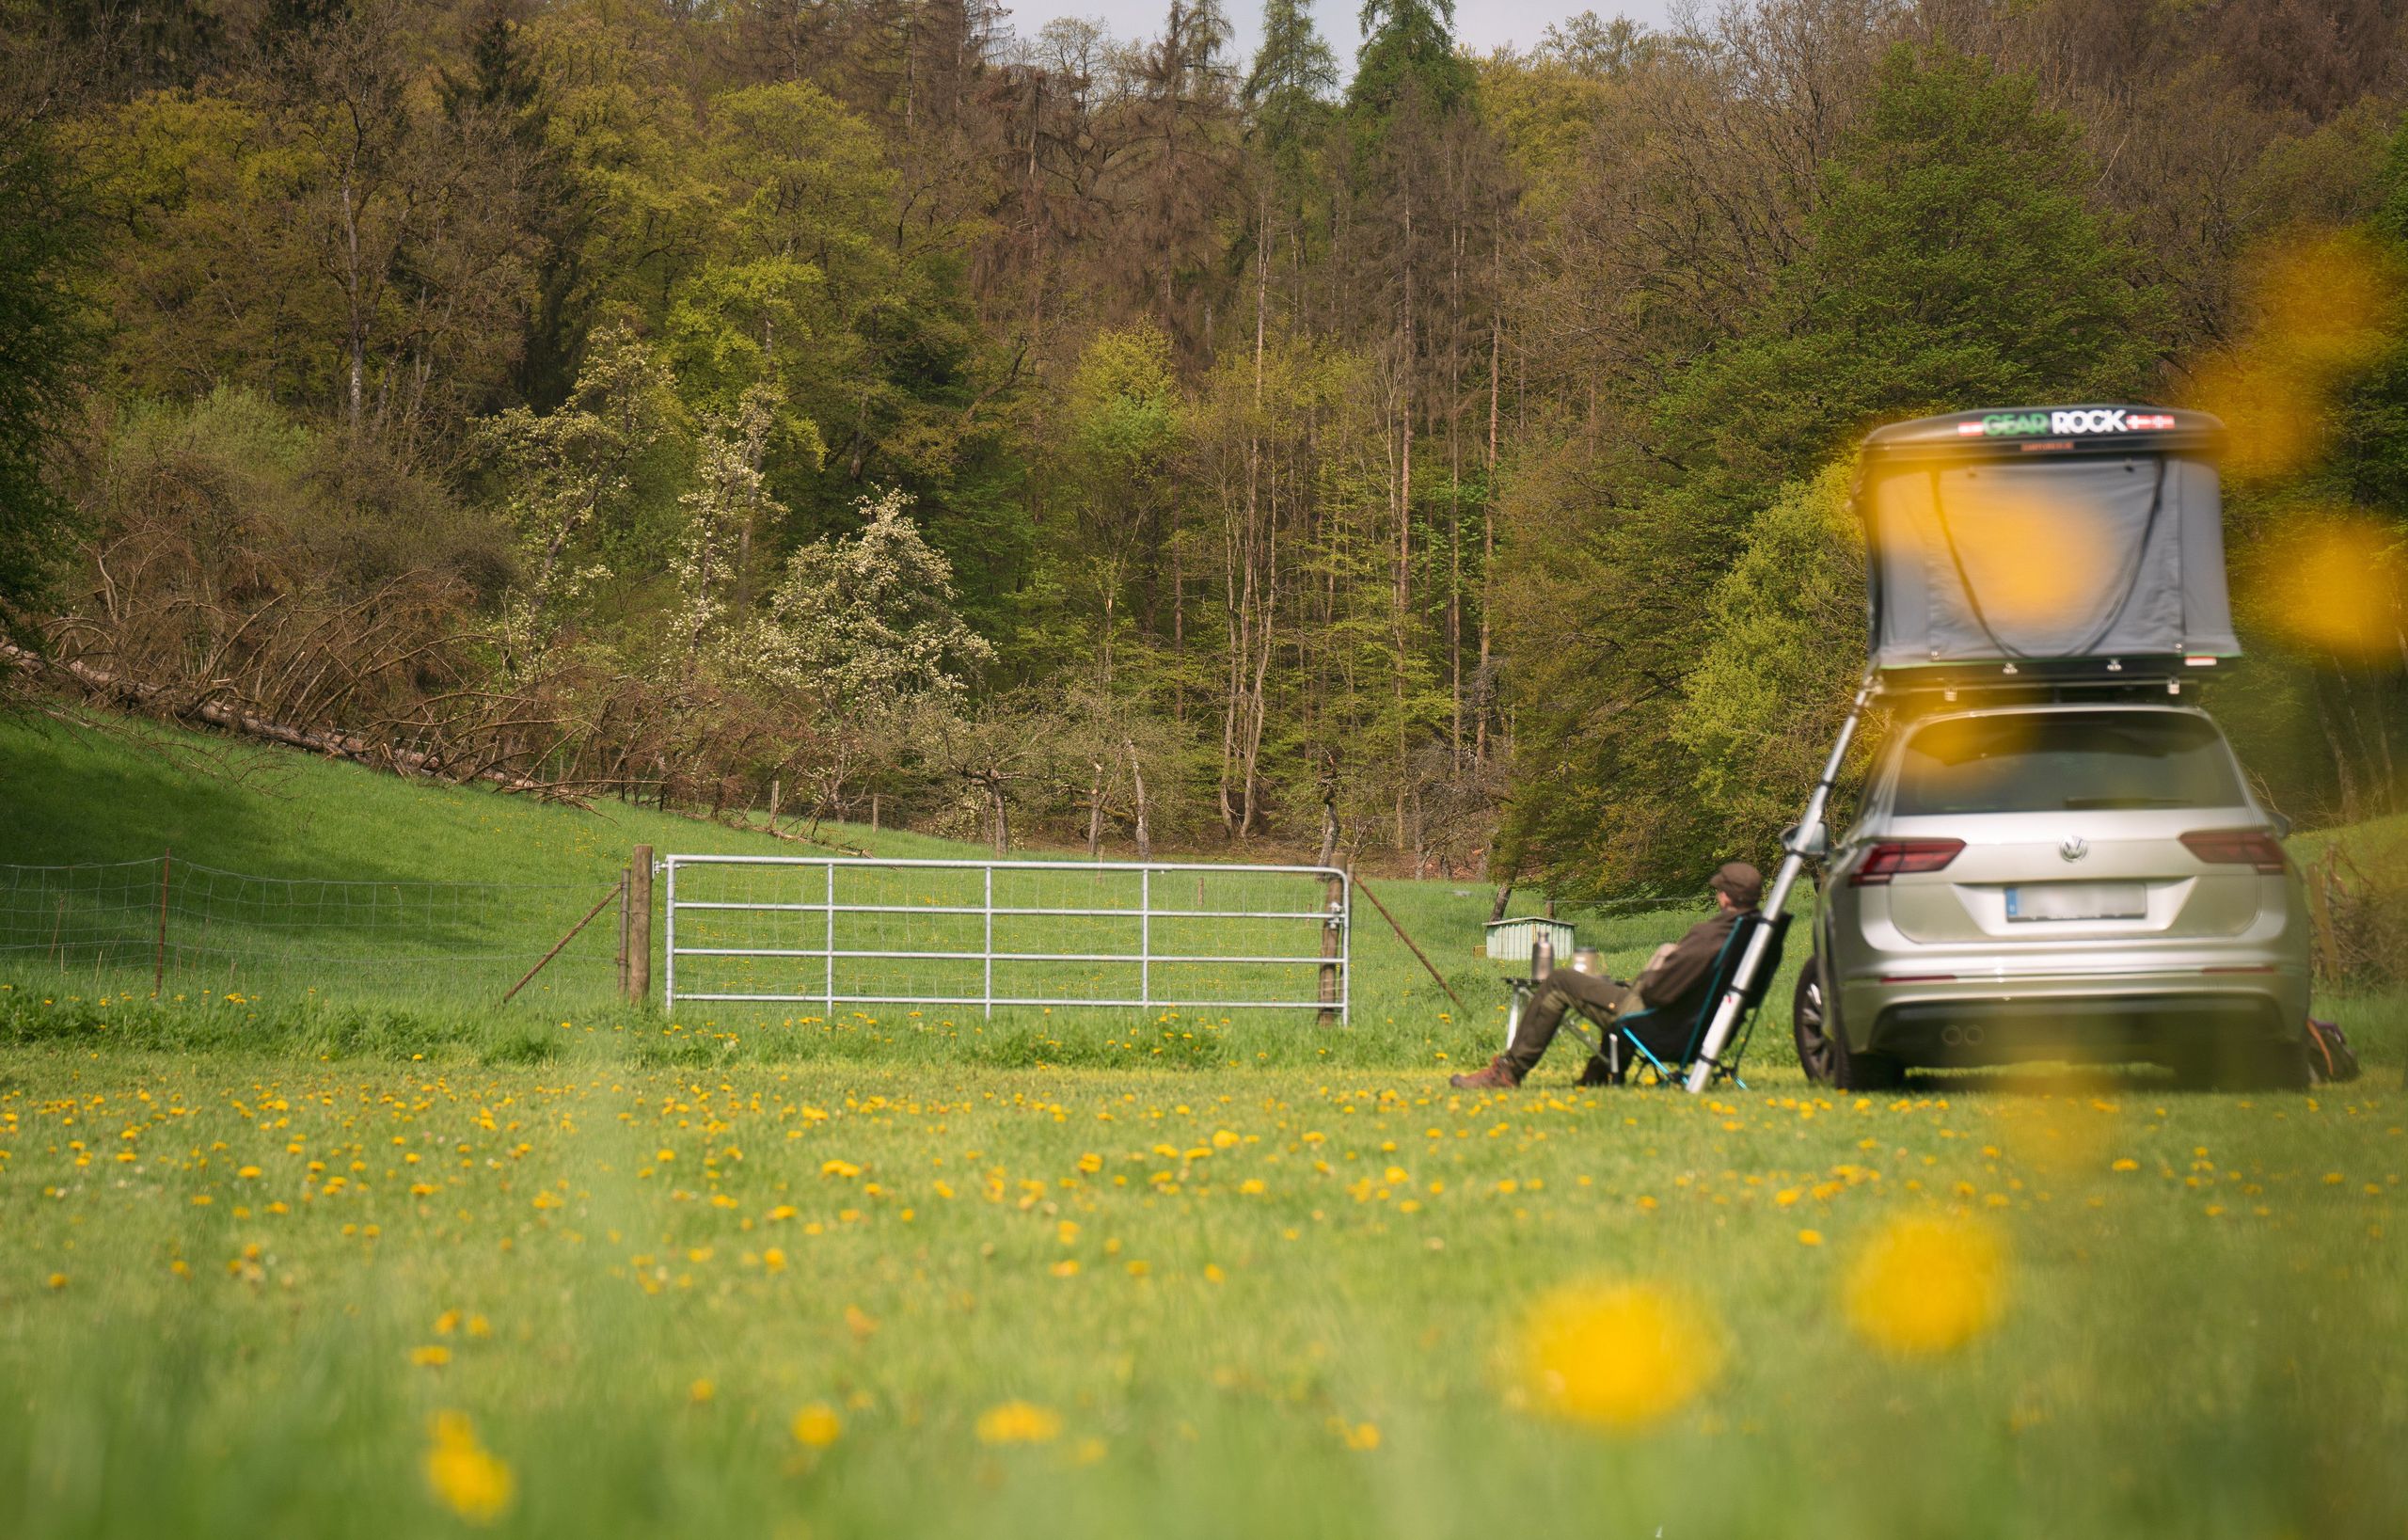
(2073, 847)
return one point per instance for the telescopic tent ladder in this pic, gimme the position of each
(1734, 1004)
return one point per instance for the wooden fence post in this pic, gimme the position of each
(639, 926)
(625, 878)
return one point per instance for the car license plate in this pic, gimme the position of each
(2078, 901)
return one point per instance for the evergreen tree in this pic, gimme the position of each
(44, 335)
(1289, 90)
(1408, 46)
(1955, 262)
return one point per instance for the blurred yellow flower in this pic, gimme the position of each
(818, 1426)
(1619, 1356)
(2337, 582)
(1923, 1286)
(1018, 1422)
(464, 1474)
(701, 1391)
(1356, 1435)
(431, 1358)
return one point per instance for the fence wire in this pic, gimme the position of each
(193, 924)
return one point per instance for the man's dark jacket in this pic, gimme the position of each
(1677, 985)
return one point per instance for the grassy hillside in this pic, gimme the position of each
(79, 798)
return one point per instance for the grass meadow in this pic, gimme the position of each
(380, 1256)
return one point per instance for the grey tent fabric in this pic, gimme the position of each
(1986, 560)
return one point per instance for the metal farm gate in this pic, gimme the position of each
(831, 931)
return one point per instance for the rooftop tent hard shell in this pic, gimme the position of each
(2056, 536)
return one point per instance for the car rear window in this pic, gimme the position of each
(2022, 763)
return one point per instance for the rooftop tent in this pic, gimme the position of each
(2047, 536)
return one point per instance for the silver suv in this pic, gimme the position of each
(2065, 882)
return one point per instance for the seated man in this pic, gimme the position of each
(1674, 982)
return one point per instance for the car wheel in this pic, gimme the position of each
(1810, 1023)
(2254, 1067)
(1864, 1071)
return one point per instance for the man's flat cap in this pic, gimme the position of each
(1742, 881)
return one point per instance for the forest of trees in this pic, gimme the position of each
(1062, 437)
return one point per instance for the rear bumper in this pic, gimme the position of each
(2098, 1015)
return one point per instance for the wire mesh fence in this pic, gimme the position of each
(187, 924)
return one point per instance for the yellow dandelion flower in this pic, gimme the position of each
(1018, 1422)
(1355, 1436)
(1810, 1237)
(434, 1357)
(1923, 1286)
(463, 1475)
(57, 1281)
(701, 1391)
(1619, 1356)
(818, 1426)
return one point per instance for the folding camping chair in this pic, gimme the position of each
(1652, 1043)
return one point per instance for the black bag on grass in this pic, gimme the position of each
(2329, 1056)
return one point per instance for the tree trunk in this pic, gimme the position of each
(1095, 814)
(1488, 525)
(1137, 778)
(1328, 824)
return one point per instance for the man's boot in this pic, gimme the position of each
(1499, 1076)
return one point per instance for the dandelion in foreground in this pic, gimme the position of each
(1926, 1286)
(1018, 1422)
(1619, 1356)
(818, 1426)
(463, 1475)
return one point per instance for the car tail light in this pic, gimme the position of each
(2237, 847)
(1896, 857)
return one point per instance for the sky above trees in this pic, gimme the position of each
(1480, 24)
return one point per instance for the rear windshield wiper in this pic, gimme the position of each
(2100, 805)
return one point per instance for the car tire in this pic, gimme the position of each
(1810, 1026)
(2257, 1067)
(2276, 1067)
(1866, 1072)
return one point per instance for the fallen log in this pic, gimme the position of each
(160, 700)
